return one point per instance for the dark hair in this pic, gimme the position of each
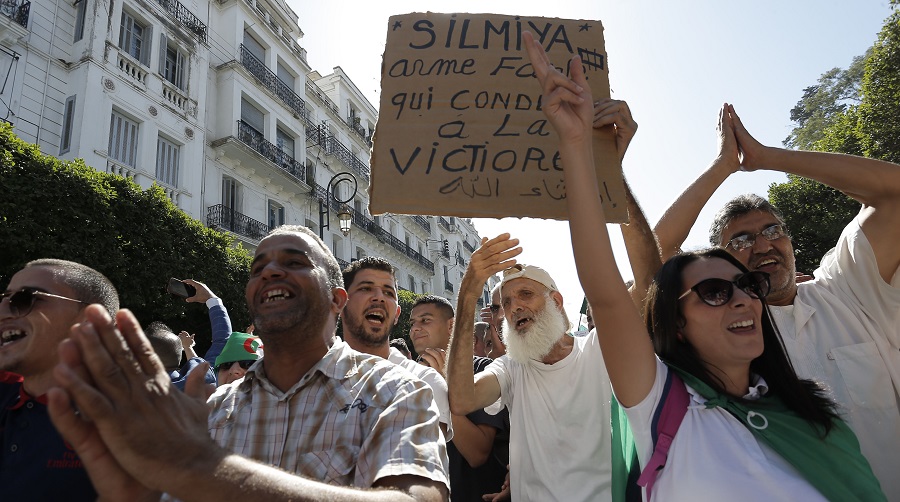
(400, 344)
(87, 284)
(739, 206)
(332, 268)
(664, 321)
(166, 344)
(442, 303)
(367, 263)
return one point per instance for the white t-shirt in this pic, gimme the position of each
(844, 330)
(559, 446)
(713, 456)
(434, 379)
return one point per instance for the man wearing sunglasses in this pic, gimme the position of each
(40, 304)
(843, 327)
(240, 352)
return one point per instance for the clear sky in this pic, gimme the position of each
(674, 62)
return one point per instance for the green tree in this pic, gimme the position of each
(878, 122)
(138, 238)
(815, 215)
(401, 330)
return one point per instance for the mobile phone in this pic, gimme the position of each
(180, 288)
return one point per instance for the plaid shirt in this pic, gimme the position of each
(351, 420)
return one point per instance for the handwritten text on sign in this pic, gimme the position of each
(460, 129)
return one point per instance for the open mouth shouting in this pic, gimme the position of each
(375, 316)
(10, 336)
(276, 295)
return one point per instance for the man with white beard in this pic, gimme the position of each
(555, 385)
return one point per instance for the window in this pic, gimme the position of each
(252, 116)
(123, 138)
(254, 47)
(360, 254)
(167, 158)
(424, 289)
(80, 13)
(172, 63)
(286, 77)
(134, 38)
(412, 284)
(65, 140)
(284, 142)
(231, 193)
(276, 214)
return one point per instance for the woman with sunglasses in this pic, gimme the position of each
(752, 429)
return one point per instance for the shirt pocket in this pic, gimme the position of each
(865, 375)
(334, 467)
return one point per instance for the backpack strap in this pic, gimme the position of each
(668, 417)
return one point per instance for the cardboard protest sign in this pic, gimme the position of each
(460, 129)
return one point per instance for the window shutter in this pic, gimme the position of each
(163, 45)
(148, 41)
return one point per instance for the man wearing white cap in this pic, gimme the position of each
(554, 385)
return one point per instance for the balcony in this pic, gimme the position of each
(354, 124)
(445, 224)
(460, 261)
(320, 96)
(187, 18)
(363, 222)
(470, 248)
(270, 81)
(343, 264)
(222, 217)
(422, 222)
(16, 12)
(255, 140)
(448, 286)
(319, 136)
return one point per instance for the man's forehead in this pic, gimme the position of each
(520, 284)
(749, 223)
(284, 243)
(41, 278)
(380, 278)
(423, 310)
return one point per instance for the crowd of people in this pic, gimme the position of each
(713, 375)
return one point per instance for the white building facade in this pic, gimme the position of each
(215, 102)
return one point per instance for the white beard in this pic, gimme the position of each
(538, 340)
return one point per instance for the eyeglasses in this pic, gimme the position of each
(227, 366)
(745, 241)
(495, 308)
(717, 292)
(21, 302)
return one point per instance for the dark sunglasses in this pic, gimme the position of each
(495, 308)
(718, 292)
(227, 366)
(21, 302)
(742, 242)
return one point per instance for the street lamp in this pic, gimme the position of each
(344, 216)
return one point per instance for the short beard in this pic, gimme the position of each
(353, 328)
(298, 324)
(540, 338)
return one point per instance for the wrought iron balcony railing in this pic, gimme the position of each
(468, 246)
(444, 223)
(320, 96)
(225, 218)
(448, 286)
(255, 140)
(16, 11)
(354, 124)
(270, 81)
(181, 14)
(423, 222)
(320, 136)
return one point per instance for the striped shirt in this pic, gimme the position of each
(351, 420)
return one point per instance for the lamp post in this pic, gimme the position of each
(344, 216)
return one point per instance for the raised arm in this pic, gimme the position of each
(675, 224)
(218, 319)
(467, 394)
(626, 347)
(874, 183)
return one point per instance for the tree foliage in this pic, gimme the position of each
(815, 215)
(851, 111)
(138, 238)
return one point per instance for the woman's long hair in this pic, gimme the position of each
(664, 319)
